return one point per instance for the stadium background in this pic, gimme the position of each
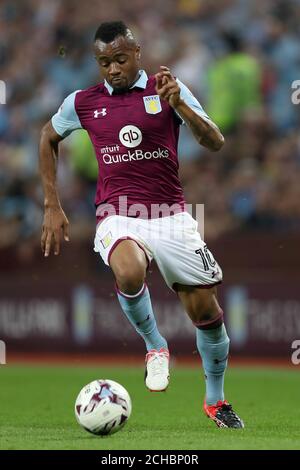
(240, 59)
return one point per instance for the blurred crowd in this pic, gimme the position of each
(239, 57)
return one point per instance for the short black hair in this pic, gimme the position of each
(108, 31)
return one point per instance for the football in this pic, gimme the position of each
(103, 407)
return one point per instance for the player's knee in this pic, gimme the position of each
(206, 312)
(202, 313)
(130, 277)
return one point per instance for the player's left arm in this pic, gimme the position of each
(188, 108)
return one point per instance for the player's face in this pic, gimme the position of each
(118, 62)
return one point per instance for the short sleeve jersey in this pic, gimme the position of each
(135, 138)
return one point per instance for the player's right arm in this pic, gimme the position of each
(55, 221)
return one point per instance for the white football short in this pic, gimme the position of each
(173, 242)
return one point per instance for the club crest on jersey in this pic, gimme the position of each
(152, 104)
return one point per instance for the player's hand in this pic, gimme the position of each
(167, 88)
(55, 225)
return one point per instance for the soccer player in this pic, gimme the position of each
(133, 122)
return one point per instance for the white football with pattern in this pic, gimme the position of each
(103, 407)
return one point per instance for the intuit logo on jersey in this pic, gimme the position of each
(130, 136)
(134, 155)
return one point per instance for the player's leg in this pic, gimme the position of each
(190, 269)
(128, 263)
(212, 340)
(213, 345)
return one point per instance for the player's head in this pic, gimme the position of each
(117, 54)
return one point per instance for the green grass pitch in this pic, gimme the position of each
(37, 410)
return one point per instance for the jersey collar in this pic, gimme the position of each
(141, 82)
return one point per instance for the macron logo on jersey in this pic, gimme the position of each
(103, 112)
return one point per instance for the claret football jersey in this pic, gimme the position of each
(135, 137)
